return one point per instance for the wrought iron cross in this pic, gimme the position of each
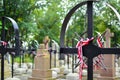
(3, 49)
(90, 50)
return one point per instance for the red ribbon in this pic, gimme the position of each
(97, 62)
(79, 45)
(99, 57)
(3, 43)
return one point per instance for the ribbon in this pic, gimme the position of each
(97, 60)
(3, 43)
(79, 45)
(100, 58)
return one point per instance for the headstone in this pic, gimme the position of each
(109, 60)
(42, 65)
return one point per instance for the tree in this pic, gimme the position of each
(21, 12)
(48, 20)
(40, 18)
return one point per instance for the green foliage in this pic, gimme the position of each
(27, 58)
(48, 21)
(40, 18)
(22, 12)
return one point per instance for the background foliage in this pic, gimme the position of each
(40, 18)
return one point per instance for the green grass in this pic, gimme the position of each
(27, 58)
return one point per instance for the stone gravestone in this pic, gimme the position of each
(109, 60)
(42, 65)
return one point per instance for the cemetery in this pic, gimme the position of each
(78, 42)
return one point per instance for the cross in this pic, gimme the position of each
(3, 49)
(108, 36)
(90, 50)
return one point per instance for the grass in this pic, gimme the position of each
(24, 58)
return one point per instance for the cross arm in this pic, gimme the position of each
(68, 50)
(110, 50)
(91, 51)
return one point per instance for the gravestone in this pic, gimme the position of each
(109, 60)
(42, 65)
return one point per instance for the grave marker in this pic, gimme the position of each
(109, 60)
(42, 65)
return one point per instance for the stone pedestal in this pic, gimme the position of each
(41, 73)
(42, 65)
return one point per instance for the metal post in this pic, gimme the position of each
(23, 57)
(90, 69)
(68, 60)
(90, 19)
(73, 57)
(89, 32)
(50, 50)
(3, 52)
(67, 55)
(55, 56)
(12, 64)
(2, 66)
(20, 59)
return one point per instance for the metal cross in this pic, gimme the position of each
(90, 50)
(3, 49)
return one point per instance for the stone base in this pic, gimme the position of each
(109, 73)
(33, 78)
(41, 73)
(108, 78)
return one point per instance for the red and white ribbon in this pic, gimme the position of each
(79, 45)
(100, 58)
(97, 60)
(3, 43)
